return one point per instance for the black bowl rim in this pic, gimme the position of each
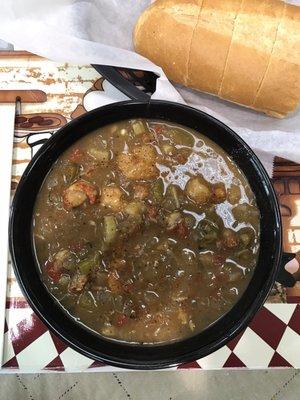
(188, 355)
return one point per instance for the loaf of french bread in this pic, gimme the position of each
(244, 51)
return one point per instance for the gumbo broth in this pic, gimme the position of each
(146, 231)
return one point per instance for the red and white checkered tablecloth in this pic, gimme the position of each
(271, 340)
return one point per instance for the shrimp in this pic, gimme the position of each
(80, 191)
(111, 197)
(140, 164)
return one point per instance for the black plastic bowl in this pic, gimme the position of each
(124, 354)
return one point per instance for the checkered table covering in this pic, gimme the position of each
(271, 340)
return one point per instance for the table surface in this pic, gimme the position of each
(183, 385)
(271, 340)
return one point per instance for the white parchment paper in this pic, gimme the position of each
(100, 32)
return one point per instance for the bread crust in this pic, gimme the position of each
(244, 51)
(178, 19)
(250, 51)
(211, 43)
(280, 91)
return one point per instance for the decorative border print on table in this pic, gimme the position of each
(273, 337)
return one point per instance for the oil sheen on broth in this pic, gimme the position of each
(146, 231)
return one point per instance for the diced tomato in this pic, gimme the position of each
(76, 155)
(181, 230)
(152, 212)
(158, 129)
(52, 272)
(218, 260)
(128, 287)
(121, 320)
